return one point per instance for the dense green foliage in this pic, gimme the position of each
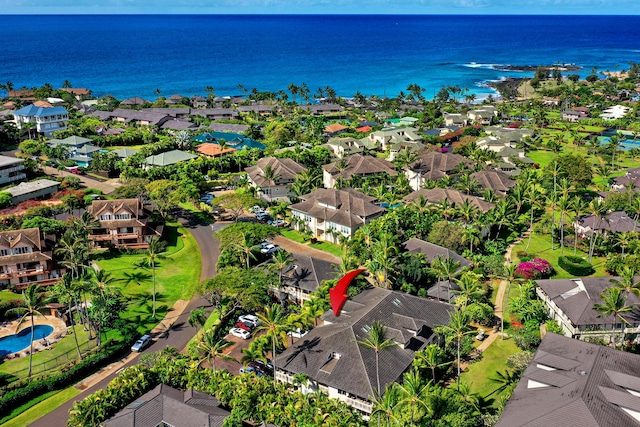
(576, 265)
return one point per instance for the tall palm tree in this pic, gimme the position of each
(555, 172)
(413, 391)
(210, 347)
(270, 175)
(102, 280)
(614, 303)
(432, 358)
(578, 205)
(66, 291)
(627, 281)
(155, 252)
(273, 321)
(446, 269)
(34, 300)
(508, 274)
(378, 342)
(281, 259)
(386, 404)
(458, 327)
(469, 286)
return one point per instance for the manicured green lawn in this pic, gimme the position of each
(478, 374)
(331, 248)
(176, 277)
(294, 235)
(7, 295)
(541, 247)
(38, 408)
(62, 352)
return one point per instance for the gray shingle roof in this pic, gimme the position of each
(29, 187)
(358, 164)
(285, 170)
(169, 158)
(174, 407)
(432, 251)
(576, 297)
(409, 320)
(308, 273)
(589, 387)
(437, 195)
(495, 180)
(436, 161)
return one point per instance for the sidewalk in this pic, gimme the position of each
(160, 329)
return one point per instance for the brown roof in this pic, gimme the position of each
(437, 195)
(335, 127)
(358, 164)
(77, 90)
(436, 161)
(495, 180)
(285, 169)
(30, 236)
(213, 150)
(43, 104)
(575, 383)
(345, 207)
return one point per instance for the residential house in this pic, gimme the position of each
(573, 115)
(342, 147)
(304, 275)
(125, 152)
(25, 258)
(213, 150)
(284, 174)
(570, 302)
(167, 158)
(39, 189)
(343, 369)
(123, 223)
(322, 109)
(614, 222)
(335, 129)
(442, 289)
(355, 165)
(165, 406)
(494, 180)
(80, 93)
(436, 196)
(510, 135)
(174, 99)
(435, 165)
(387, 137)
(482, 116)
(217, 113)
(631, 178)
(455, 119)
(575, 383)
(199, 102)
(178, 125)
(47, 120)
(259, 109)
(227, 127)
(11, 170)
(135, 101)
(25, 95)
(332, 214)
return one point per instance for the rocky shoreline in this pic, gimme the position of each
(533, 68)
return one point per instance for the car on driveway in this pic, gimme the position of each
(240, 333)
(263, 216)
(297, 333)
(279, 222)
(249, 319)
(246, 326)
(141, 344)
(481, 335)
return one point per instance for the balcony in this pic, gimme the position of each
(123, 236)
(28, 271)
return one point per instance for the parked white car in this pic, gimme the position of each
(298, 333)
(240, 333)
(249, 318)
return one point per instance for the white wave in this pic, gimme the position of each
(486, 66)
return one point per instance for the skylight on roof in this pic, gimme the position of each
(545, 367)
(137, 404)
(536, 384)
(633, 413)
(571, 292)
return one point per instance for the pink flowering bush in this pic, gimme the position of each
(537, 268)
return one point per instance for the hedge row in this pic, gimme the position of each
(575, 265)
(17, 397)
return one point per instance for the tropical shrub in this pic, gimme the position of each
(616, 262)
(575, 265)
(481, 313)
(537, 268)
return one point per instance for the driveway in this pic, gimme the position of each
(106, 186)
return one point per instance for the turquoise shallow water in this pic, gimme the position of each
(128, 55)
(22, 340)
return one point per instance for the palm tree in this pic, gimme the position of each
(505, 380)
(273, 322)
(34, 300)
(413, 391)
(270, 175)
(210, 348)
(555, 172)
(457, 328)
(385, 405)
(66, 290)
(614, 303)
(155, 252)
(627, 281)
(281, 259)
(431, 357)
(578, 205)
(509, 274)
(197, 317)
(470, 288)
(445, 269)
(378, 342)
(102, 280)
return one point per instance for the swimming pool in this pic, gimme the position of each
(21, 340)
(625, 144)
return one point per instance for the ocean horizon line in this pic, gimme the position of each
(532, 15)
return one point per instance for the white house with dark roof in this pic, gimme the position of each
(47, 120)
(355, 165)
(614, 222)
(570, 302)
(341, 368)
(434, 165)
(330, 213)
(304, 275)
(284, 174)
(494, 180)
(575, 383)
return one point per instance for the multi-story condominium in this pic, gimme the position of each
(47, 120)
(11, 170)
(25, 258)
(276, 186)
(124, 223)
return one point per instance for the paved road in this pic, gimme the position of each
(179, 333)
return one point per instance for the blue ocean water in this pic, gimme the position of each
(133, 55)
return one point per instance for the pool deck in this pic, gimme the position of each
(59, 331)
